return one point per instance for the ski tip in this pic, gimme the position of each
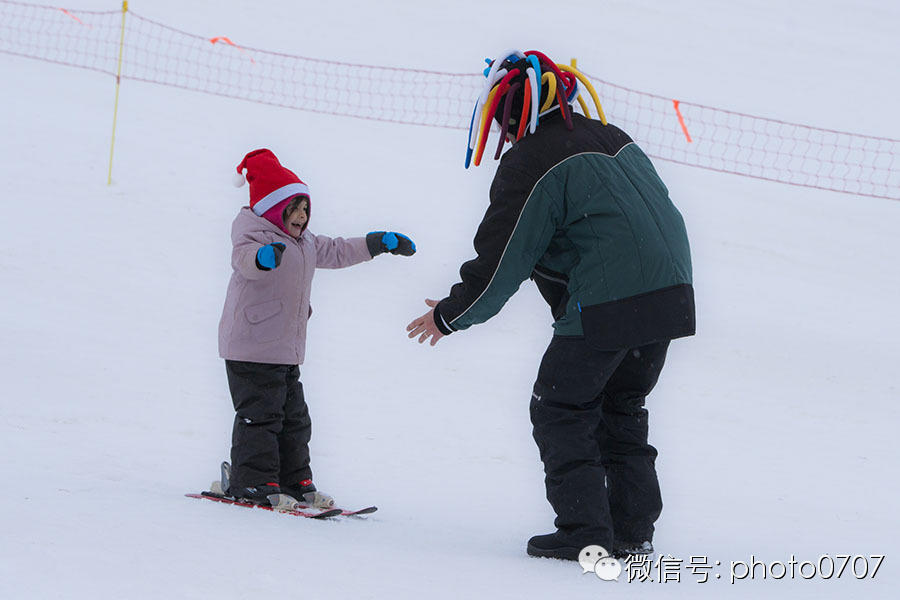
(363, 511)
(325, 514)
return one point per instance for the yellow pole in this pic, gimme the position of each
(112, 143)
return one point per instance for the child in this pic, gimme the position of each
(262, 332)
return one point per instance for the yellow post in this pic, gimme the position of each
(112, 143)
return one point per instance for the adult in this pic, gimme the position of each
(577, 206)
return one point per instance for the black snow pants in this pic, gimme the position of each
(272, 428)
(590, 426)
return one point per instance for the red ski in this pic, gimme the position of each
(300, 512)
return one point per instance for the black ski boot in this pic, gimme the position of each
(259, 494)
(306, 492)
(298, 489)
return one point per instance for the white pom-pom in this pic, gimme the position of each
(238, 179)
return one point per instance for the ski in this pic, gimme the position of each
(299, 511)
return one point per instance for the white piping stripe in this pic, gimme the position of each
(273, 198)
(531, 193)
(444, 321)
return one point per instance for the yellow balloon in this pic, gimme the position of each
(584, 107)
(551, 78)
(578, 74)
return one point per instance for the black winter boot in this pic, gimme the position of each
(552, 546)
(626, 549)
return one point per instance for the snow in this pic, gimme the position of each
(775, 424)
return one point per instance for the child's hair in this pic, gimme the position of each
(293, 205)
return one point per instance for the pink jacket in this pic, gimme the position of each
(265, 314)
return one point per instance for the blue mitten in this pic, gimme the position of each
(268, 257)
(389, 241)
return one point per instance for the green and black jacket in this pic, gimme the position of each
(584, 214)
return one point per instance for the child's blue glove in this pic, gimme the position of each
(268, 257)
(389, 241)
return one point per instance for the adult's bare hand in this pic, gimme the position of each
(425, 327)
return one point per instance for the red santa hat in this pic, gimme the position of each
(271, 185)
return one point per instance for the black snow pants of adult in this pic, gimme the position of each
(272, 428)
(590, 426)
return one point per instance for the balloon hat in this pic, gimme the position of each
(532, 72)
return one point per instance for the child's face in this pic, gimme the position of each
(295, 217)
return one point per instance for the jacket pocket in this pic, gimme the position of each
(264, 324)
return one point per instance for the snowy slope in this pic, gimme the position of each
(774, 423)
